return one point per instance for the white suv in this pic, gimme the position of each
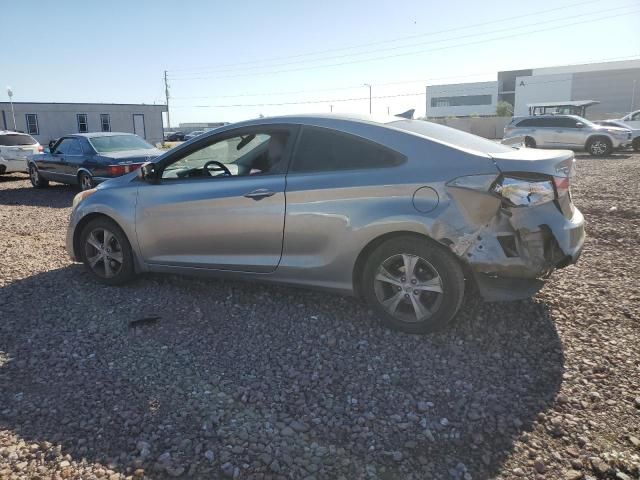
(15, 147)
(567, 131)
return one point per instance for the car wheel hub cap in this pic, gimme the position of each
(104, 253)
(408, 287)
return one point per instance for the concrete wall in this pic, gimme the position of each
(58, 119)
(488, 127)
(462, 90)
(542, 88)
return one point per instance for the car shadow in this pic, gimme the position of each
(613, 156)
(54, 196)
(215, 365)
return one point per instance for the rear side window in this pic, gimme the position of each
(534, 122)
(325, 150)
(12, 140)
(69, 146)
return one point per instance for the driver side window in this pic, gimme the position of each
(247, 154)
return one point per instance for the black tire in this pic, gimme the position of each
(85, 181)
(416, 290)
(529, 142)
(36, 179)
(115, 265)
(636, 144)
(599, 146)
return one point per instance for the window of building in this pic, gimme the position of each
(324, 150)
(462, 100)
(105, 122)
(32, 124)
(83, 126)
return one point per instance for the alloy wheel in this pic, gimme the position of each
(33, 175)
(85, 182)
(408, 287)
(599, 147)
(103, 253)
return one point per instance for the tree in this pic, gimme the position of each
(504, 109)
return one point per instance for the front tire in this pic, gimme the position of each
(529, 142)
(636, 144)
(36, 180)
(106, 252)
(413, 284)
(599, 147)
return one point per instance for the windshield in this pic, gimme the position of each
(456, 138)
(119, 143)
(15, 139)
(587, 123)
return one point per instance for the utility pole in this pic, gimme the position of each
(367, 85)
(13, 113)
(166, 94)
(331, 107)
(388, 111)
(633, 96)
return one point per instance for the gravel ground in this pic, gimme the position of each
(236, 380)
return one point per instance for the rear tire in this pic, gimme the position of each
(529, 142)
(636, 144)
(599, 146)
(413, 284)
(36, 179)
(106, 252)
(85, 181)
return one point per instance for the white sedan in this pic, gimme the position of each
(15, 147)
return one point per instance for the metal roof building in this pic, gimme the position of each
(46, 121)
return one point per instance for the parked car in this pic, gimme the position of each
(86, 159)
(567, 131)
(174, 137)
(15, 147)
(635, 132)
(191, 135)
(632, 119)
(404, 213)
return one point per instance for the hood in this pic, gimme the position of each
(613, 129)
(558, 163)
(132, 156)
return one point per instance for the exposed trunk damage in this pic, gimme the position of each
(510, 250)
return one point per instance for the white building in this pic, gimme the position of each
(462, 99)
(615, 85)
(46, 121)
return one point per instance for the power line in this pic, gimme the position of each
(423, 80)
(424, 51)
(304, 102)
(397, 39)
(349, 99)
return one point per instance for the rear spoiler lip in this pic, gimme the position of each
(557, 163)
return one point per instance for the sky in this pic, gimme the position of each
(234, 60)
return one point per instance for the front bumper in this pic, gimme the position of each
(71, 228)
(512, 255)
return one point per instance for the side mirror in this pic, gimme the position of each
(579, 125)
(46, 150)
(148, 173)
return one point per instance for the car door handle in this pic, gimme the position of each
(259, 194)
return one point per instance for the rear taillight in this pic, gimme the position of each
(562, 185)
(117, 170)
(40, 149)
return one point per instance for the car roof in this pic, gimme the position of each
(97, 134)
(366, 125)
(11, 132)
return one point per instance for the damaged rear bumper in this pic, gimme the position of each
(512, 255)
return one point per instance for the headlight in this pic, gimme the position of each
(521, 192)
(82, 196)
